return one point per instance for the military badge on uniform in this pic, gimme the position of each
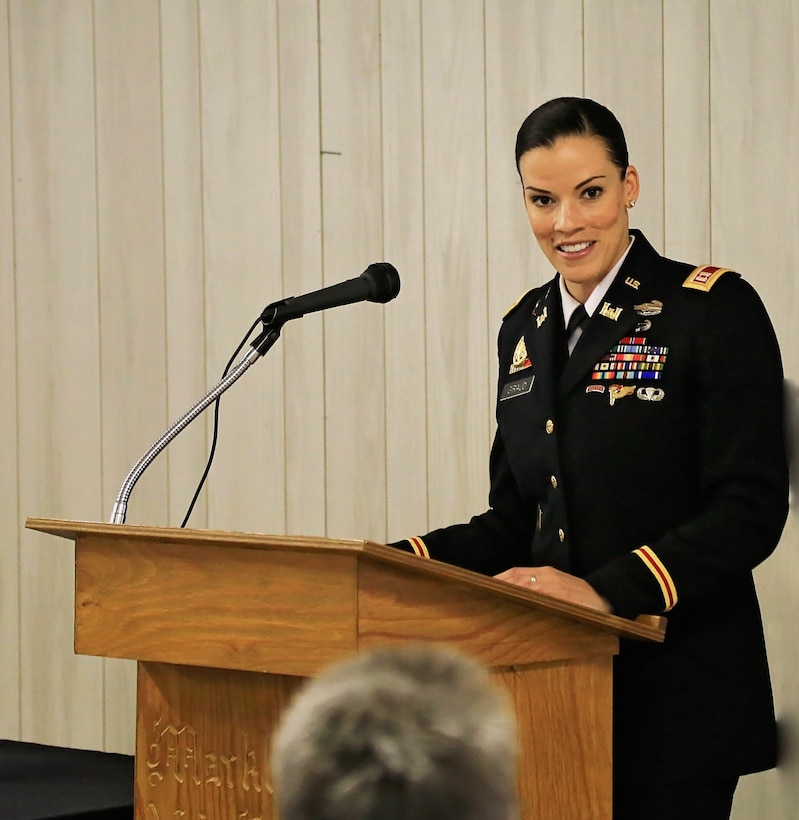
(704, 277)
(631, 358)
(642, 327)
(633, 283)
(540, 318)
(619, 391)
(520, 358)
(610, 312)
(650, 393)
(652, 308)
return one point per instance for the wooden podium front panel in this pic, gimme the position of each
(202, 742)
(226, 607)
(564, 713)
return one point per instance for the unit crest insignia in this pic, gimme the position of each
(520, 357)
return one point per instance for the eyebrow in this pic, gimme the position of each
(576, 187)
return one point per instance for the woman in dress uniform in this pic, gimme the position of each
(639, 466)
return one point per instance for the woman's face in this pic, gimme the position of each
(576, 201)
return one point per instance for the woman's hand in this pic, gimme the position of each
(561, 585)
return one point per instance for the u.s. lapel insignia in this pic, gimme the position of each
(633, 283)
(619, 391)
(520, 358)
(541, 318)
(610, 312)
(652, 308)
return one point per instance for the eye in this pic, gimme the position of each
(594, 192)
(540, 200)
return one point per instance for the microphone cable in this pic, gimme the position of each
(215, 435)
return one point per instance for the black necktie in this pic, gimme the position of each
(577, 319)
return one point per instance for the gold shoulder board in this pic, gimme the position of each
(704, 277)
(504, 315)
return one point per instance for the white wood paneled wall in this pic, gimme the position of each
(168, 167)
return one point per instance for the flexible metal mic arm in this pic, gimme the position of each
(262, 343)
(378, 283)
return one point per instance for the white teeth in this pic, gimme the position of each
(579, 246)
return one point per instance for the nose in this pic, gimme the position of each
(567, 217)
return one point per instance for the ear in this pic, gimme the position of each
(631, 183)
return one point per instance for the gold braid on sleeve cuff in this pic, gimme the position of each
(657, 568)
(419, 547)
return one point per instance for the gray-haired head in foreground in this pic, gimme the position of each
(414, 733)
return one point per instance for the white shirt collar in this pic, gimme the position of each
(570, 304)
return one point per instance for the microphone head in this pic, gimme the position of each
(383, 281)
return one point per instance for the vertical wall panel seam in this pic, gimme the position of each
(319, 92)
(164, 246)
(663, 119)
(488, 318)
(18, 500)
(278, 87)
(582, 44)
(381, 113)
(709, 130)
(203, 253)
(425, 334)
(104, 664)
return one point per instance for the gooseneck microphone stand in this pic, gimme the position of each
(268, 336)
(380, 282)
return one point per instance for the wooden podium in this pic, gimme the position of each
(225, 627)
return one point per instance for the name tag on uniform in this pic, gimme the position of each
(518, 388)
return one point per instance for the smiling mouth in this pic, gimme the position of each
(575, 247)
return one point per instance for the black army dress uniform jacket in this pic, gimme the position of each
(652, 463)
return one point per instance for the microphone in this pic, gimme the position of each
(380, 282)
